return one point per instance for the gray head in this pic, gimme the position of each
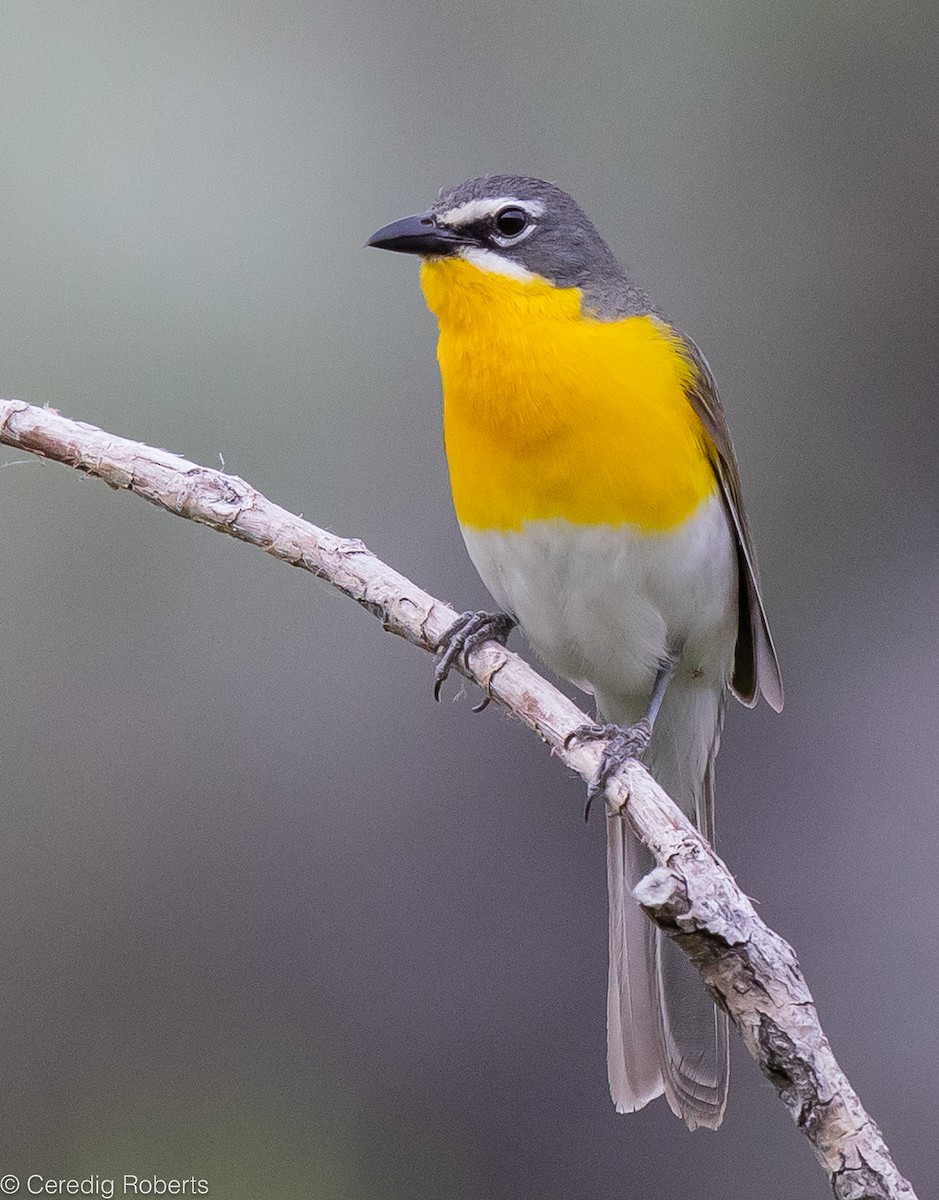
(519, 226)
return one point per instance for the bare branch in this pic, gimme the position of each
(749, 970)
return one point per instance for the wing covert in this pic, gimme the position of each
(756, 666)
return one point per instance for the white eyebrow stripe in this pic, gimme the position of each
(477, 210)
(488, 260)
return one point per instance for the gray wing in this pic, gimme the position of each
(756, 667)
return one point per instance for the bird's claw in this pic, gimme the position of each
(623, 745)
(467, 632)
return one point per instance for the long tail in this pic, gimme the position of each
(664, 1033)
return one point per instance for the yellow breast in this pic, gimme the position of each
(549, 413)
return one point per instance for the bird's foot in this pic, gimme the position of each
(623, 745)
(467, 632)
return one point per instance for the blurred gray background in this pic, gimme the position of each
(268, 915)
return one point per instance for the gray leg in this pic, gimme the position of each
(624, 743)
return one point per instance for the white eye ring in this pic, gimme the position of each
(518, 223)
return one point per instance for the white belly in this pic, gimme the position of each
(606, 606)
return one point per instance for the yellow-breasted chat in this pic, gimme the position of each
(598, 494)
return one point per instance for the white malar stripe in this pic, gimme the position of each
(495, 264)
(478, 210)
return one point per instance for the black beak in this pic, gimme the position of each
(419, 234)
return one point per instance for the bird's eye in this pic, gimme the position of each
(511, 221)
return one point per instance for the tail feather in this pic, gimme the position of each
(693, 1032)
(633, 1060)
(664, 1033)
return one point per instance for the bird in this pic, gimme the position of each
(599, 498)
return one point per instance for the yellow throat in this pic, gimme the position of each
(550, 413)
